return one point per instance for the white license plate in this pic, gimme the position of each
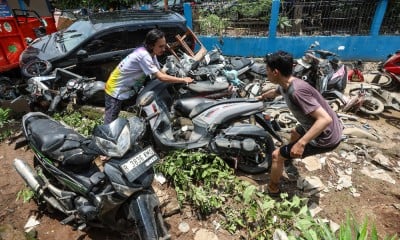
(148, 155)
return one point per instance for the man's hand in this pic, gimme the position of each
(270, 94)
(297, 150)
(187, 80)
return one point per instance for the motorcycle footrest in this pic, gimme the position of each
(67, 220)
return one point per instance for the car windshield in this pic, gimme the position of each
(75, 34)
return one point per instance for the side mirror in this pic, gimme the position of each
(81, 54)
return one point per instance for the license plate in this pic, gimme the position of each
(139, 163)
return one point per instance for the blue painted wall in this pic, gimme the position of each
(373, 47)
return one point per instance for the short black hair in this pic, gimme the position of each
(280, 60)
(152, 37)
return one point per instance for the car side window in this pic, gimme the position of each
(135, 38)
(106, 43)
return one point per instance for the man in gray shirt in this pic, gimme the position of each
(320, 129)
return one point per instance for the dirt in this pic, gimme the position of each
(379, 201)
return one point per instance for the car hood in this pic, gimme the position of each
(44, 48)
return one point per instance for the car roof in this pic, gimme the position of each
(131, 17)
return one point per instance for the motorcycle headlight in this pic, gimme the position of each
(117, 147)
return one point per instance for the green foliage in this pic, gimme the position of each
(206, 183)
(254, 9)
(4, 120)
(26, 194)
(81, 123)
(284, 22)
(350, 229)
(4, 116)
(212, 24)
(209, 185)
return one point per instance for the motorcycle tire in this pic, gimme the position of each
(7, 90)
(36, 68)
(372, 106)
(249, 167)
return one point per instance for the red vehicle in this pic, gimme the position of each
(392, 68)
(21, 22)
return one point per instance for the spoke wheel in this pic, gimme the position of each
(36, 68)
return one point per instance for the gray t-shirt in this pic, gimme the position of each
(302, 99)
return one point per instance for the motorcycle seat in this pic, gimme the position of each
(186, 105)
(208, 86)
(238, 63)
(60, 143)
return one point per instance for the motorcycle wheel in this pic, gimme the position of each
(36, 68)
(7, 90)
(372, 106)
(246, 163)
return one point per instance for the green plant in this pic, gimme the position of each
(4, 116)
(212, 24)
(284, 22)
(26, 194)
(83, 124)
(206, 183)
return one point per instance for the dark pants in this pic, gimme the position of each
(112, 108)
(309, 149)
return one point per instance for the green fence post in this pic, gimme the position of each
(378, 17)
(273, 22)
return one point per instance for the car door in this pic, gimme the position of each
(103, 53)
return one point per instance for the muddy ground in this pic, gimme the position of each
(377, 200)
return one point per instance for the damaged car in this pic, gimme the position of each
(96, 44)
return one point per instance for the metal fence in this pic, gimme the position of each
(296, 17)
(391, 21)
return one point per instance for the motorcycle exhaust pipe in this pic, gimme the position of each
(35, 183)
(30, 177)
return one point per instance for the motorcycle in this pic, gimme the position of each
(69, 178)
(370, 99)
(323, 70)
(234, 129)
(216, 76)
(391, 67)
(362, 100)
(53, 92)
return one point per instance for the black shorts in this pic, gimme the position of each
(309, 149)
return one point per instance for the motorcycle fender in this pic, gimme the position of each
(141, 210)
(93, 88)
(267, 126)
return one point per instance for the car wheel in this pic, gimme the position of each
(36, 68)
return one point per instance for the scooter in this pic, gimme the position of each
(234, 129)
(391, 67)
(70, 177)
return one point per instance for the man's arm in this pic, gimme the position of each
(270, 94)
(322, 120)
(171, 79)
